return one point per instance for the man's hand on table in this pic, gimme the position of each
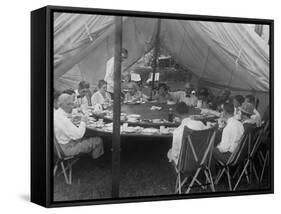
(84, 119)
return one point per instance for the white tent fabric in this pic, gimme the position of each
(87, 42)
(223, 54)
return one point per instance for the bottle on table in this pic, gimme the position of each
(170, 115)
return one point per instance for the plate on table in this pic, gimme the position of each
(130, 129)
(150, 131)
(158, 121)
(132, 120)
(165, 131)
(169, 102)
(133, 116)
(130, 102)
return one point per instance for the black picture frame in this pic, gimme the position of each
(42, 104)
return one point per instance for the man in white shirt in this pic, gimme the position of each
(70, 137)
(109, 77)
(182, 111)
(231, 134)
(83, 95)
(101, 96)
(256, 116)
(185, 96)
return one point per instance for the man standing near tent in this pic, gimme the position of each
(110, 70)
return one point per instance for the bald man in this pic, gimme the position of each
(69, 136)
(185, 96)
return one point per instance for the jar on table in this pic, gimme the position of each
(170, 115)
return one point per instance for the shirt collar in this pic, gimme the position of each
(229, 120)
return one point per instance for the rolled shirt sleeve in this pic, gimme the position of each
(74, 132)
(65, 130)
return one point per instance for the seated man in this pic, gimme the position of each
(237, 102)
(70, 92)
(224, 97)
(203, 99)
(185, 96)
(256, 116)
(231, 134)
(246, 111)
(162, 95)
(101, 96)
(133, 93)
(69, 136)
(182, 111)
(83, 94)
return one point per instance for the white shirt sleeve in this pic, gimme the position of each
(226, 139)
(257, 118)
(65, 130)
(74, 132)
(231, 136)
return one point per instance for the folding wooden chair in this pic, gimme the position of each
(195, 158)
(263, 150)
(238, 156)
(63, 161)
(258, 134)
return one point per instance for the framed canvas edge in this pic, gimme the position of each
(49, 86)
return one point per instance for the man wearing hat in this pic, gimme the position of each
(246, 111)
(256, 115)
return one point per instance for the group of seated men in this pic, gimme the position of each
(237, 113)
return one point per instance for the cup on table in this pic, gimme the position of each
(125, 126)
(100, 122)
(162, 129)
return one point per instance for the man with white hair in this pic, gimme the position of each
(187, 96)
(69, 136)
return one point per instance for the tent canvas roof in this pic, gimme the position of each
(226, 54)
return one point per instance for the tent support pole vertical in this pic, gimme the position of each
(205, 64)
(116, 108)
(155, 54)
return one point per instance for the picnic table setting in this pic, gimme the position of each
(140, 118)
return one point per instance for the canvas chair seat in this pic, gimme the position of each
(194, 159)
(64, 162)
(263, 150)
(236, 159)
(249, 163)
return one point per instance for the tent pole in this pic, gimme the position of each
(116, 108)
(205, 65)
(155, 55)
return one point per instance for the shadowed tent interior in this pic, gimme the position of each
(218, 54)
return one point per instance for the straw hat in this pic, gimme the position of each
(247, 108)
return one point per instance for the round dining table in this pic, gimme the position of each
(151, 115)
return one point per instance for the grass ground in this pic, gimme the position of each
(145, 171)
